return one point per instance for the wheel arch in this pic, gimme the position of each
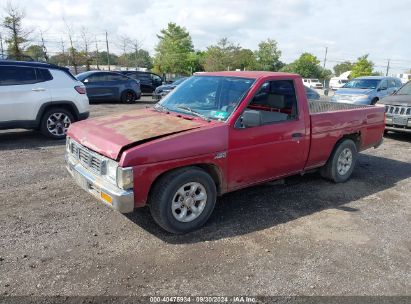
(68, 105)
(211, 169)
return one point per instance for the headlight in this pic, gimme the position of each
(111, 170)
(125, 178)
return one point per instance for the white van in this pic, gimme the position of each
(312, 83)
(337, 82)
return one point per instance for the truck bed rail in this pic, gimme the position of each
(325, 106)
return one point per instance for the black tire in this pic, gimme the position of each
(128, 97)
(165, 190)
(374, 101)
(59, 132)
(330, 170)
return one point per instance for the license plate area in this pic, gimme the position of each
(398, 120)
(86, 185)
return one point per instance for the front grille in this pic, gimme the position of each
(398, 110)
(88, 158)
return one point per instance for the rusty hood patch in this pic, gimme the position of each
(109, 135)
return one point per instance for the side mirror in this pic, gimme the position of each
(382, 89)
(251, 118)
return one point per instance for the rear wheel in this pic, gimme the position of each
(341, 163)
(183, 200)
(55, 123)
(128, 97)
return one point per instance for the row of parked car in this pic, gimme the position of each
(49, 98)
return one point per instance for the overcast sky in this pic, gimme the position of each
(349, 28)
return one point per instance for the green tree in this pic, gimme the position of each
(244, 59)
(17, 36)
(222, 56)
(362, 67)
(268, 56)
(36, 52)
(173, 50)
(142, 59)
(308, 66)
(342, 67)
(196, 60)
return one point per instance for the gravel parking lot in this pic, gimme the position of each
(306, 236)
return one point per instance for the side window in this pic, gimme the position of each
(145, 78)
(13, 75)
(95, 78)
(384, 84)
(156, 79)
(132, 75)
(398, 83)
(114, 77)
(276, 101)
(43, 75)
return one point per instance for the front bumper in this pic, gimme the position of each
(398, 123)
(118, 199)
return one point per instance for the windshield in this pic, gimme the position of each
(405, 90)
(214, 97)
(362, 83)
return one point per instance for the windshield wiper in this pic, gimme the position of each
(195, 113)
(161, 108)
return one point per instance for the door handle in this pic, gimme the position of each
(38, 89)
(297, 135)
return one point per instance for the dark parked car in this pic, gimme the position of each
(148, 81)
(312, 94)
(164, 89)
(398, 110)
(110, 86)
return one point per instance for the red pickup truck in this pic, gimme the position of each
(216, 133)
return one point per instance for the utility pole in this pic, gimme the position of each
(388, 67)
(1, 46)
(325, 61)
(325, 57)
(108, 52)
(44, 47)
(97, 54)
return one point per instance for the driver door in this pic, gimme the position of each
(277, 147)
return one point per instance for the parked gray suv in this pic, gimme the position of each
(366, 90)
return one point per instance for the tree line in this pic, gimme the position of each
(174, 53)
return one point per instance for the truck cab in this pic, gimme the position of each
(216, 133)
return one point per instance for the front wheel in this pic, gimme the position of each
(341, 163)
(128, 97)
(183, 200)
(55, 123)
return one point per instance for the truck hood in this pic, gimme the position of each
(109, 135)
(346, 91)
(399, 100)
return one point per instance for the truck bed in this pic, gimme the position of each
(326, 106)
(331, 121)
